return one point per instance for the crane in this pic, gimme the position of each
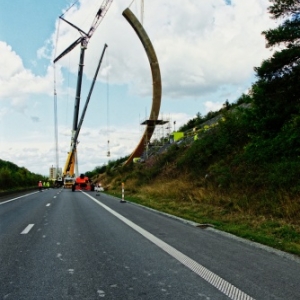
(83, 40)
(81, 182)
(85, 37)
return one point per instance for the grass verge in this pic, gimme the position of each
(274, 232)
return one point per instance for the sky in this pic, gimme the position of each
(206, 50)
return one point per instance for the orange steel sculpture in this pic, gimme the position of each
(156, 80)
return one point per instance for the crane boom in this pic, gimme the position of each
(83, 40)
(88, 99)
(99, 16)
(71, 159)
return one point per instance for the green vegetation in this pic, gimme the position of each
(242, 174)
(14, 178)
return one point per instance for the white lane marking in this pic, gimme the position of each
(27, 229)
(101, 293)
(221, 284)
(17, 198)
(48, 204)
(59, 255)
(54, 197)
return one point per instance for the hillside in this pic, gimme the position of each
(225, 178)
(241, 173)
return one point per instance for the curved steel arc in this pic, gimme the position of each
(156, 81)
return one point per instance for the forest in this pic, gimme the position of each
(15, 178)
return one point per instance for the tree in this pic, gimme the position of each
(276, 94)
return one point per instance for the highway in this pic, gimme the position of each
(59, 244)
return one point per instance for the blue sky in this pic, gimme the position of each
(206, 51)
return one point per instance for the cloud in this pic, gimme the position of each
(201, 45)
(206, 51)
(212, 106)
(18, 83)
(216, 45)
(11, 63)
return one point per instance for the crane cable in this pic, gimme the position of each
(55, 106)
(130, 3)
(142, 10)
(68, 9)
(107, 104)
(55, 91)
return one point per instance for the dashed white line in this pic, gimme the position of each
(27, 229)
(48, 204)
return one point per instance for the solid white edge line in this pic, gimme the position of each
(17, 198)
(222, 285)
(27, 229)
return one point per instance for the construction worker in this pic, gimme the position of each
(40, 185)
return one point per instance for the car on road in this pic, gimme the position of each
(99, 189)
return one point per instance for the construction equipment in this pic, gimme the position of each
(82, 183)
(69, 172)
(68, 182)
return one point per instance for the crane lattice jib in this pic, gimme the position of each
(85, 37)
(99, 16)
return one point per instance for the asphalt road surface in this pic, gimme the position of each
(59, 244)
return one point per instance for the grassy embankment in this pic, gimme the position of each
(223, 180)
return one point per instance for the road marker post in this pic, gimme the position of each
(122, 200)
